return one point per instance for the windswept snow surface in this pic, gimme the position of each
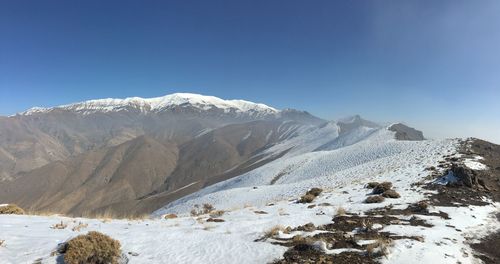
(343, 172)
(375, 156)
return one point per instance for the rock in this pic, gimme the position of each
(404, 132)
(216, 220)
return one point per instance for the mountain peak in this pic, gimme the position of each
(157, 104)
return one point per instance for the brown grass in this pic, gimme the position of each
(11, 209)
(60, 225)
(170, 216)
(308, 198)
(391, 194)
(92, 248)
(217, 213)
(374, 199)
(274, 231)
(315, 191)
(78, 227)
(379, 248)
(382, 187)
(371, 185)
(2, 243)
(340, 211)
(205, 209)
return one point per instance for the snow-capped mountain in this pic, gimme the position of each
(159, 104)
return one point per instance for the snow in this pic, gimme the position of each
(475, 164)
(157, 104)
(447, 241)
(317, 157)
(377, 157)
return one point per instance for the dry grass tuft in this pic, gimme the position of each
(340, 211)
(274, 231)
(315, 191)
(391, 194)
(379, 248)
(78, 227)
(170, 216)
(93, 248)
(2, 243)
(382, 187)
(308, 198)
(374, 199)
(371, 185)
(216, 213)
(310, 195)
(60, 225)
(205, 209)
(11, 209)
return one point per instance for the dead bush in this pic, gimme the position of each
(308, 198)
(215, 220)
(205, 209)
(391, 194)
(2, 243)
(78, 227)
(11, 209)
(374, 199)
(340, 211)
(273, 231)
(60, 225)
(382, 187)
(379, 248)
(92, 248)
(315, 191)
(371, 185)
(217, 213)
(170, 216)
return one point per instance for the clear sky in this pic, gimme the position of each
(432, 64)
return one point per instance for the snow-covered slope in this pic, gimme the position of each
(372, 153)
(159, 104)
(343, 172)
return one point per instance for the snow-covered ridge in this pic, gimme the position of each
(157, 104)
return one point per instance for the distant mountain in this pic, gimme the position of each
(134, 155)
(86, 152)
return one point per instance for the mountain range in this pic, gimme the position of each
(135, 155)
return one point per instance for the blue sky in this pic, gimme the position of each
(432, 64)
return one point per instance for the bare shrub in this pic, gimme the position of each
(170, 216)
(391, 194)
(207, 208)
(92, 248)
(379, 248)
(308, 198)
(78, 227)
(382, 187)
(371, 185)
(274, 231)
(340, 211)
(217, 213)
(60, 225)
(315, 191)
(2, 243)
(215, 220)
(11, 209)
(374, 199)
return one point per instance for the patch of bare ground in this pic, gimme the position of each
(344, 233)
(470, 187)
(486, 183)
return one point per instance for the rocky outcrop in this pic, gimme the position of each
(404, 132)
